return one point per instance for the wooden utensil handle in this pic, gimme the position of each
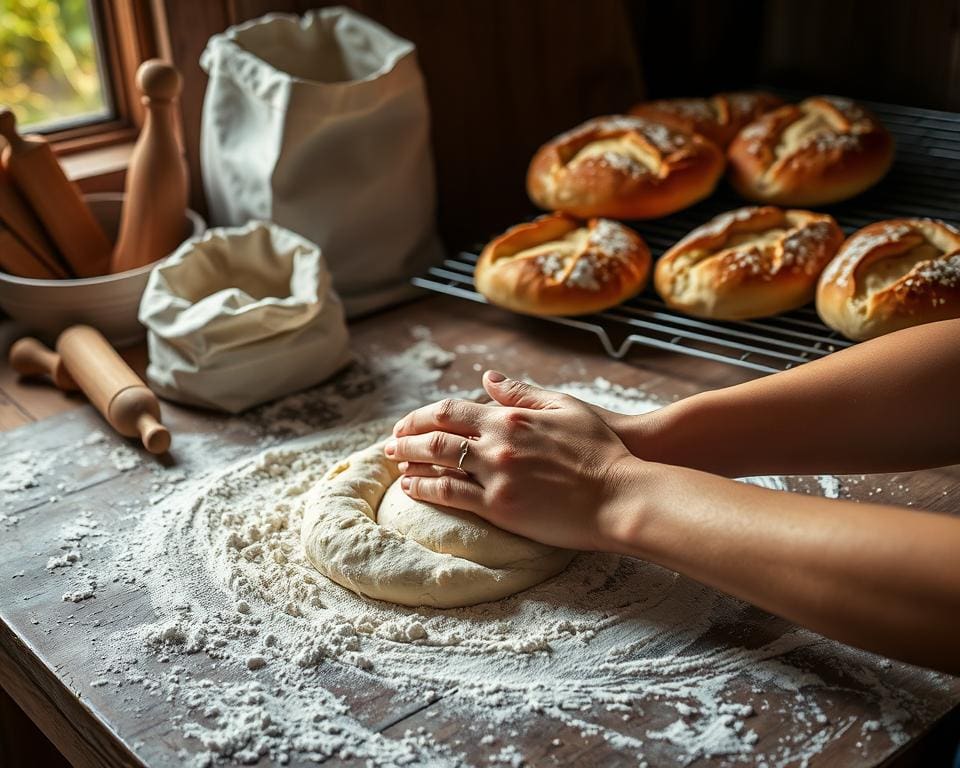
(55, 200)
(31, 357)
(112, 386)
(86, 361)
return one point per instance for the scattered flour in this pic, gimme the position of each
(830, 486)
(24, 469)
(65, 560)
(73, 537)
(124, 458)
(608, 641)
(83, 593)
(723, 735)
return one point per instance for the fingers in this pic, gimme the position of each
(458, 416)
(518, 394)
(448, 491)
(439, 448)
(415, 469)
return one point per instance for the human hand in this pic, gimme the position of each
(640, 433)
(538, 463)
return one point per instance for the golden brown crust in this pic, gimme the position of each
(823, 150)
(556, 265)
(751, 262)
(891, 275)
(623, 168)
(718, 118)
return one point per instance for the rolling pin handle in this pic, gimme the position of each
(31, 357)
(154, 436)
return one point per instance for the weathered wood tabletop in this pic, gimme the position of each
(51, 649)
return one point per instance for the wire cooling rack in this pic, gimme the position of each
(924, 181)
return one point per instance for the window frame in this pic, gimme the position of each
(126, 32)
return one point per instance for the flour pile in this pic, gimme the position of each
(606, 642)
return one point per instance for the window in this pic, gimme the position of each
(67, 67)
(51, 64)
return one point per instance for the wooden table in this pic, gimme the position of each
(48, 646)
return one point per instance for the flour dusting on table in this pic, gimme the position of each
(610, 640)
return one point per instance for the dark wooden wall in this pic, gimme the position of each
(505, 75)
(887, 50)
(906, 52)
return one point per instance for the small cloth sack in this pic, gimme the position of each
(241, 316)
(321, 124)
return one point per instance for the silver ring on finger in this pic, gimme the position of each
(464, 450)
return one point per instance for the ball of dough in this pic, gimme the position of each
(362, 531)
(455, 532)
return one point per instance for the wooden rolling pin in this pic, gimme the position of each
(17, 218)
(17, 259)
(55, 200)
(30, 357)
(88, 362)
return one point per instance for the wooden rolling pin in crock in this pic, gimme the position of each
(24, 248)
(85, 360)
(55, 200)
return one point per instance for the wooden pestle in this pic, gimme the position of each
(155, 200)
(87, 361)
(55, 200)
(17, 218)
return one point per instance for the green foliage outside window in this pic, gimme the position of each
(48, 61)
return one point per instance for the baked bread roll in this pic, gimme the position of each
(556, 265)
(751, 262)
(623, 168)
(892, 275)
(718, 117)
(822, 150)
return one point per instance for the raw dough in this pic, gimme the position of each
(414, 554)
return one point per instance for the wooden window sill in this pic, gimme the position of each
(103, 169)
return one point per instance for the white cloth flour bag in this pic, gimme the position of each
(321, 124)
(240, 316)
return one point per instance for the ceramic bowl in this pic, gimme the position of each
(109, 303)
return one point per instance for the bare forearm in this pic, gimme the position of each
(891, 404)
(881, 578)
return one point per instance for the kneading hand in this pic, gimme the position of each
(538, 463)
